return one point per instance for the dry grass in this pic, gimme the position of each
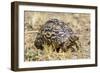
(80, 23)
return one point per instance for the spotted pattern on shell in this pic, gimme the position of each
(57, 34)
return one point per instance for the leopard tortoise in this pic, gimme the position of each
(57, 34)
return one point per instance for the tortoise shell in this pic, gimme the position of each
(56, 33)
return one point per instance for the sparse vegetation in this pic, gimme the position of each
(80, 23)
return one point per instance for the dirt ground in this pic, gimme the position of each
(80, 24)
